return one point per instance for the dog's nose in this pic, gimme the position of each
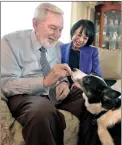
(75, 69)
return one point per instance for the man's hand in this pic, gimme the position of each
(62, 90)
(57, 72)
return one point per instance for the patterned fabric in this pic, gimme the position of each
(11, 129)
(44, 63)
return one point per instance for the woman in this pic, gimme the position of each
(78, 53)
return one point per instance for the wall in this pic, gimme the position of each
(18, 16)
(82, 10)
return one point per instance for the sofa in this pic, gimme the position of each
(11, 129)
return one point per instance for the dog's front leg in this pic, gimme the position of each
(104, 135)
(109, 119)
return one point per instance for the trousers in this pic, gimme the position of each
(43, 124)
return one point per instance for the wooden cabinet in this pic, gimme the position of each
(107, 24)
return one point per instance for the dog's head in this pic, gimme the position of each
(98, 96)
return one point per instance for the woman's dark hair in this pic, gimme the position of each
(89, 28)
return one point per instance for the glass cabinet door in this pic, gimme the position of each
(97, 26)
(111, 30)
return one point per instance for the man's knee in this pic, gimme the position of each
(41, 109)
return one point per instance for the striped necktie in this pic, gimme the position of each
(44, 62)
(46, 69)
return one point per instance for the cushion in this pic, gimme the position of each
(110, 63)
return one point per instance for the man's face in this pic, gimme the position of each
(49, 30)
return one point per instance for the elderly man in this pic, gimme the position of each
(34, 80)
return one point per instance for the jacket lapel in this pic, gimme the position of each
(85, 59)
(67, 53)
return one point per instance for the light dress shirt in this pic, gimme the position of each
(21, 71)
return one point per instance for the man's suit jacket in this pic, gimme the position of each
(89, 60)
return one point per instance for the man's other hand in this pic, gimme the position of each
(62, 90)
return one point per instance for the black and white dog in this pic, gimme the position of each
(103, 102)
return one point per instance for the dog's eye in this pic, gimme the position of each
(87, 81)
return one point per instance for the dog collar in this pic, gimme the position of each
(96, 116)
(101, 113)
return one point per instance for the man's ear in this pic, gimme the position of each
(34, 22)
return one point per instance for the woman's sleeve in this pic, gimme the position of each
(96, 63)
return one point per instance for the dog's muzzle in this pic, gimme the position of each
(77, 74)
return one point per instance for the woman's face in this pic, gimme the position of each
(79, 39)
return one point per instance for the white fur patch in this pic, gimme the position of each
(94, 108)
(78, 75)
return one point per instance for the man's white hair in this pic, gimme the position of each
(42, 10)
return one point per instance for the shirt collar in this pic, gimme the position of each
(35, 43)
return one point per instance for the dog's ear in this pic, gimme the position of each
(110, 98)
(94, 95)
